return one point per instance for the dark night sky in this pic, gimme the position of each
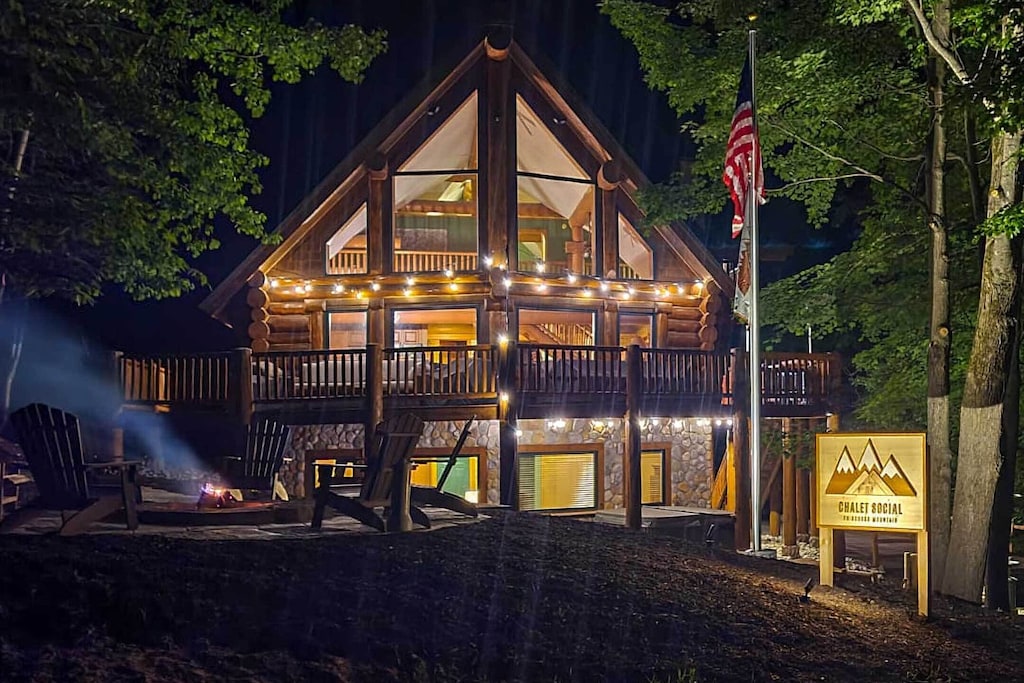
(310, 127)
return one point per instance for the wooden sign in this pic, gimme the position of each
(873, 482)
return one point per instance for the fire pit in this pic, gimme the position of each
(216, 497)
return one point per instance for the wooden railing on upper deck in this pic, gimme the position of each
(188, 379)
(570, 369)
(440, 371)
(794, 379)
(353, 261)
(304, 375)
(682, 372)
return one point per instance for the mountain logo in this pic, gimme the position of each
(869, 477)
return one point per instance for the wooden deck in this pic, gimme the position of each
(450, 382)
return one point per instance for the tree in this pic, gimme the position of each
(992, 33)
(138, 117)
(841, 98)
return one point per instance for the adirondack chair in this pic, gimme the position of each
(436, 495)
(257, 469)
(386, 467)
(52, 442)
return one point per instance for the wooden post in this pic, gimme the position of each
(775, 506)
(803, 511)
(376, 327)
(812, 501)
(378, 215)
(741, 448)
(631, 467)
(497, 158)
(789, 506)
(839, 537)
(374, 394)
(608, 178)
(508, 366)
(610, 324)
(240, 383)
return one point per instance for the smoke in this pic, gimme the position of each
(64, 368)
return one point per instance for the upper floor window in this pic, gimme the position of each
(435, 198)
(346, 250)
(555, 200)
(636, 259)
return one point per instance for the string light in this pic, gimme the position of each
(375, 286)
(307, 287)
(605, 286)
(540, 266)
(273, 282)
(678, 424)
(454, 286)
(542, 287)
(502, 340)
(410, 280)
(503, 397)
(407, 292)
(586, 293)
(488, 261)
(518, 432)
(338, 288)
(507, 282)
(571, 278)
(448, 272)
(360, 294)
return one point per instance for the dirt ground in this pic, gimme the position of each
(514, 598)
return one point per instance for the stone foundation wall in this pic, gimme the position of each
(691, 465)
(691, 459)
(435, 435)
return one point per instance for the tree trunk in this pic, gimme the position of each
(981, 414)
(997, 574)
(939, 449)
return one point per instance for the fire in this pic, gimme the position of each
(215, 496)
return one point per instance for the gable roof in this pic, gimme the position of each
(577, 115)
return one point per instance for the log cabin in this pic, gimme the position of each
(482, 254)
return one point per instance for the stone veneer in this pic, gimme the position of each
(691, 466)
(691, 459)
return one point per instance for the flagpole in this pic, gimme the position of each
(754, 329)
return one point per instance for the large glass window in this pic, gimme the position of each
(556, 327)
(555, 200)
(636, 259)
(347, 330)
(636, 328)
(346, 250)
(558, 481)
(435, 198)
(437, 327)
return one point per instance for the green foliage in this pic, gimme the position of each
(138, 112)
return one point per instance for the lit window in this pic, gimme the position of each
(558, 481)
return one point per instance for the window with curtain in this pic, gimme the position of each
(652, 477)
(558, 481)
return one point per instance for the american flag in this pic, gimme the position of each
(744, 149)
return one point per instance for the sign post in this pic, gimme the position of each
(873, 482)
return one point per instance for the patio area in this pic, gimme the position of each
(174, 514)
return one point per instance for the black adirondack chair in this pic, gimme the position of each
(52, 442)
(391, 450)
(436, 496)
(257, 469)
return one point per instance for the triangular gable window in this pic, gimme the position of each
(435, 198)
(636, 259)
(555, 201)
(346, 249)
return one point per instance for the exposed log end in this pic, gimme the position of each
(257, 279)
(259, 330)
(259, 314)
(377, 166)
(260, 345)
(609, 175)
(257, 298)
(498, 42)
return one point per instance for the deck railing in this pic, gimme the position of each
(433, 261)
(685, 372)
(187, 379)
(804, 381)
(570, 369)
(304, 375)
(440, 371)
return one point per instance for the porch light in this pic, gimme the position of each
(540, 266)
(729, 422)
(502, 340)
(375, 286)
(503, 397)
(273, 283)
(718, 423)
(338, 289)
(454, 286)
(502, 266)
(678, 424)
(488, 261)
(518, 432)
(654, 421)
(557, 424)
(605, 286)
(598, 426)
(448, 272)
